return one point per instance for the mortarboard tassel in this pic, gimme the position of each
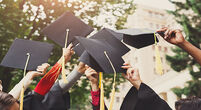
(102, 105)
(100, 79)
(158, 65)
(22, 90)
(114, 83)
(63, 59)
(63, 69)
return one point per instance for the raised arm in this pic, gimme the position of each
(92, 75)
(144, 97)
(49, 79)
(73, 77)
(27, 80)
(132, 75)
(175, 37)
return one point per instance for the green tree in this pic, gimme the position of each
(26, 18)
(188, 14)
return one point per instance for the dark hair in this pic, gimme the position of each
(6, 101)
(191, 103)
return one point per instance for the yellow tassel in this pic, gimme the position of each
(63, 58)
(63, 69)
(100, 79)
(22, 90)
(114, 83)
(22, 97)
(102, 105)
(158, 65)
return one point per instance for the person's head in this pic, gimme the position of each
(7, 102)
(191, 103)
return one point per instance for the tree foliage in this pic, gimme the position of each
(188, 14)
(26, 18)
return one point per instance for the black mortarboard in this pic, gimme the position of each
(17, 54)
(138, 38)
(56, 31)
(112, 37)
(96, 48)
(118, 35)
(90, 61)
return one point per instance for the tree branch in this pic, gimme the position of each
(21, 4)
(34, 25)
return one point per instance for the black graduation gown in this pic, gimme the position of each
(144, 99)
(53, 100)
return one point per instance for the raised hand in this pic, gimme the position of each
(92, 75)
(172, 36)
(68, 52)
(81, 68)
(132, 75)
(40, 71)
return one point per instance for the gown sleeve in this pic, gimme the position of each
(48, 80)
(96, 100)
(71, 78)
(148, 97)
(53, 100)
(143, 99)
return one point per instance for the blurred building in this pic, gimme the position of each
(153, 19)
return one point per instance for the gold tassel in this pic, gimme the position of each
(100, 79)
(102, 105)
(22, 90)
(22, 97)
(158, 65)
(63, 69)
(114, 83)
(63, 59)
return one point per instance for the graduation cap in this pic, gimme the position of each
(96, 48)
(56, 31)
(16, 56)
(118, 35)
(138, 38)
(112, 37)
(88, 59)
(27, 55)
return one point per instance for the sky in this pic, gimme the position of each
(161, 4)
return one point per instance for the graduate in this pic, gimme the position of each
(10, 100)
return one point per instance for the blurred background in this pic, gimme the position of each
(182, 75)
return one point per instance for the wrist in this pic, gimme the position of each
(27, 81)
(137, 84)
(94, 86)
(183, 45)
(67, 58)
(81, 70)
